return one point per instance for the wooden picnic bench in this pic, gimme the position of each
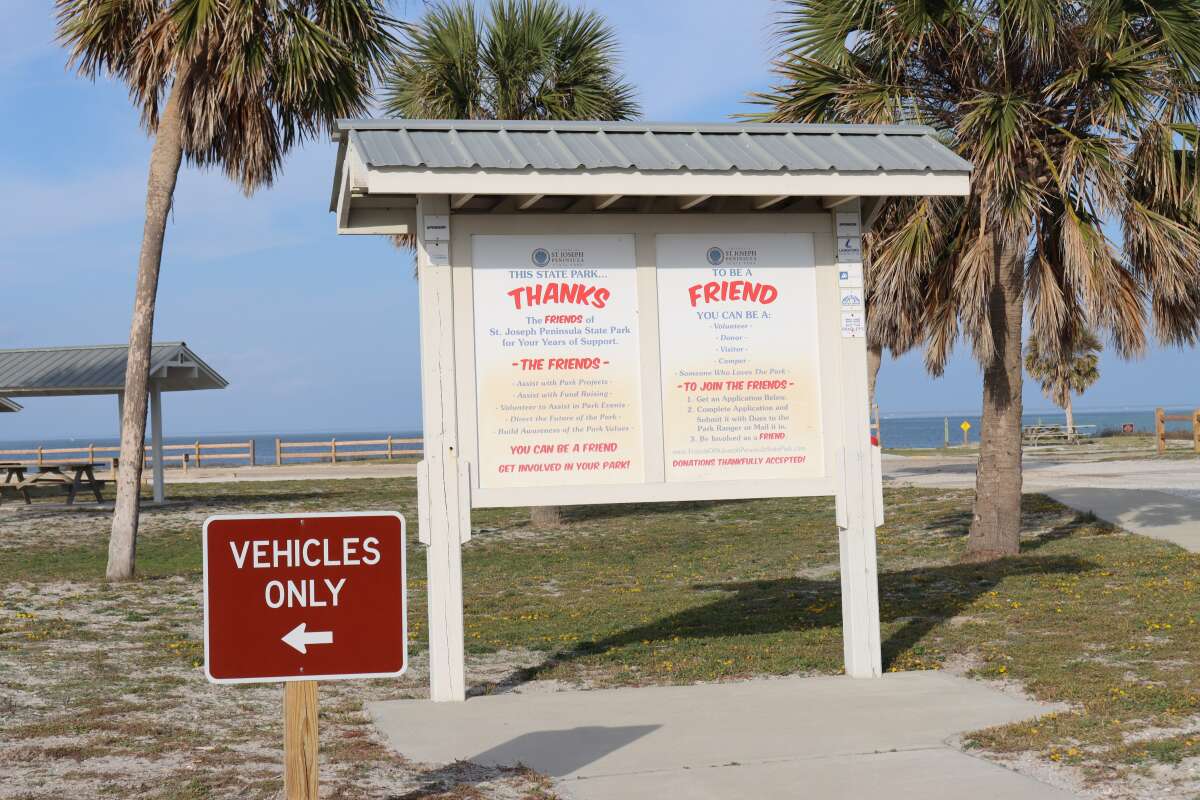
(70, 477)
(14, 474)
(1034, 435)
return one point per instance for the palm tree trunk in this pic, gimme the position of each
(996, 524)
(1070, 411)
(874, 360)
(165, 159)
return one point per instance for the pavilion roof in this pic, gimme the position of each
(99, 369)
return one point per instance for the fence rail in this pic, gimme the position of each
(388, 448)
(198, 454)
(192, 454)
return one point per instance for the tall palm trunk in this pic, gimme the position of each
(1070, 412)
(874, 360)
(165, 159)
(996, 524)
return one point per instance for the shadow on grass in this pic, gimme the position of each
(243, 499)
(1064, 531)
(919, 599)
(622, 510)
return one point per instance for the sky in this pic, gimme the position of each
(317, 332)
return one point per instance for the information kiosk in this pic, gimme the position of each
(628, 312)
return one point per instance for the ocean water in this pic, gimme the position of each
(929, 431)
(898, 432)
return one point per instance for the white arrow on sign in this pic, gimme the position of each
(300, 639)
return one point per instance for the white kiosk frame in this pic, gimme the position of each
(374, 196)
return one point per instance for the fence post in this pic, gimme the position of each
(39, 455)
(1196, 430)
(278, 453)
(92, 453)
(390, 443)
(333, 451)
(250, 449)
(197, 452)
(946, 433)
(183, 460)
(1160, 430)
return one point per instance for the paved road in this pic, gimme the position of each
(828, 738)
(1155, 498)
(295, 472)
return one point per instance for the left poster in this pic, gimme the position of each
(557, 366)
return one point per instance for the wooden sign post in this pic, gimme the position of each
(300, 764)
(302, 597)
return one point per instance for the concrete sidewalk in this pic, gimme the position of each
(1171, 517)
(1159, 498)
(827, 737)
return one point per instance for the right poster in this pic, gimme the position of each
(740, 357)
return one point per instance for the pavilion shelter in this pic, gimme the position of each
(640, 260)
(100, 369)
(9, 405)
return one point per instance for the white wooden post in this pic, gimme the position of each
(120, 416)
(441, 514)
(156, 443)
(857, 511)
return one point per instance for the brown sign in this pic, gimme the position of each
(304, 597)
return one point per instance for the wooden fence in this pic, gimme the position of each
(1161, 418)
(193, 454)
(328, 450)
(199, 454)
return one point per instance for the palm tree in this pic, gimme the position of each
(1071, 373)
(218, 83)
(1074, 115)
(528, 59)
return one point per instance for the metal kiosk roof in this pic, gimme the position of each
(100, 369)
(526, 166)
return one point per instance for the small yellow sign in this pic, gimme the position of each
(966, 426)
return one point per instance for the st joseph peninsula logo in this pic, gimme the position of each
(732, 256)
(558, 257)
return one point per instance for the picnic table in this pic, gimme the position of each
(70, 477)
(1035, 435)
(14, 473)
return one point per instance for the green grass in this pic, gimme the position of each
(159, 555)
(940, 452)
(622, 595)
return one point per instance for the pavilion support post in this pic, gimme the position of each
(442, 511)
(156, 440)
(859, 505)
(120, 415)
